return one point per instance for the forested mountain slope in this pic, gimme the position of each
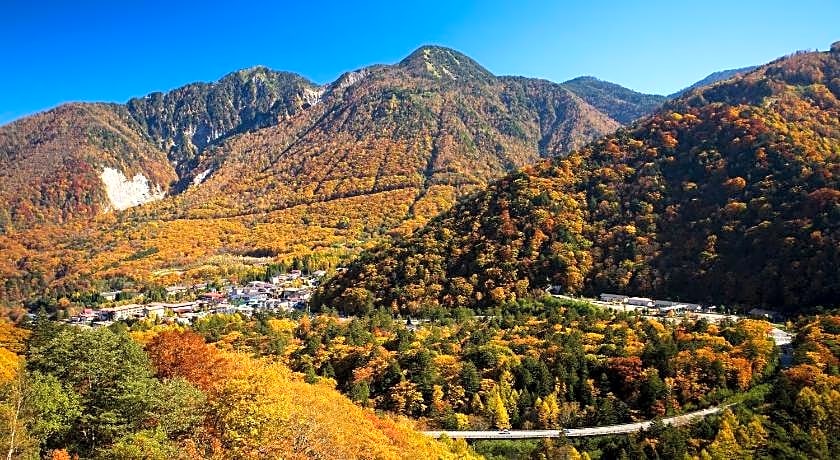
(620, 103)
(730, 194)
(434, 125)
(79, 160)
(437, 117)
(51, 165)
(712, 78)
(268, 163)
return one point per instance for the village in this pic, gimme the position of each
(281, 293)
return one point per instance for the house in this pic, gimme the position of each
(769, 315)
(692, 307)
(170, 306)
(175, 290)
(639, 302)
(109, 296)
(671, 310)
(121, 312)
(616, 298)
(85, 316)
(260, 285)
(290, 293)
(222, 308)
(155, 310)
(212, 297)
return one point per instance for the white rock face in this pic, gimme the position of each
(124, 193)
(200, 177)
(313, 96)
(349, 79)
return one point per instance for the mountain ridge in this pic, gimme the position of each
(186, 121)
(713, 77)
(267, 160)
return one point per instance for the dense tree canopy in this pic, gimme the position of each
(99, 394)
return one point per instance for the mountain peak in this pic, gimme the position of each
(445, 63)
(258, 72)
(583, 79)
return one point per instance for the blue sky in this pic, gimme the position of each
(54, 52)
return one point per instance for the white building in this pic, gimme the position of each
(639, 302)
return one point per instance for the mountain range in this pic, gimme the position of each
(295, 167)
(729, 194)
(435, 118)
(196, 182)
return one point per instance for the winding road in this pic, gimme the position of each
(575, 432)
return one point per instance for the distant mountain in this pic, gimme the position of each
(435, 121)
(713, 78)
(729, 194)
(620, 103)
(264, 162)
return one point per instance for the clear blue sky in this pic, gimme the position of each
(58, 51)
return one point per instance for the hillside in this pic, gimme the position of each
(712, 78)
(435, 117)
(101, 394)
(620, 103)
(52, 165)
(729, 194)
(80, 160)
(183, 122)
(434, 125)
(267, 163)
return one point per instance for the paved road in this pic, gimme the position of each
(784, 342)
(574, 432)
(781, 337)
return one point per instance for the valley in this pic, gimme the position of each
(425, 259)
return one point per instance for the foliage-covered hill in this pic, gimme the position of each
(436, 124)
(79, 160)
(264, 162)
(437, 112)
(183, 122)
(99, 394)
(51, 164)
(731, 194)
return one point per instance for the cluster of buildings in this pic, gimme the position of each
(666, 308)
(286, 292)
(649, 306)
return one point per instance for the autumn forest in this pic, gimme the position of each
(266, 267)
